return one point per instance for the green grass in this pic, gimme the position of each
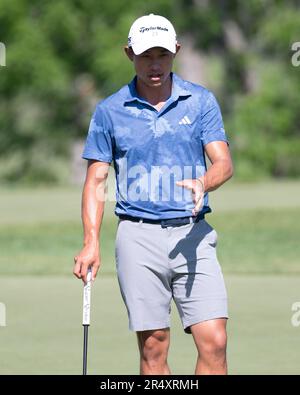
(250, 241)
(40, 232)
(259, 241)
(44, 333)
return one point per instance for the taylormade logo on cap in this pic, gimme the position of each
(152, 31)
(145, 29)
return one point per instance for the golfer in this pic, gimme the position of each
(156, 131)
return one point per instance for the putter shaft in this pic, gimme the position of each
(85, 346)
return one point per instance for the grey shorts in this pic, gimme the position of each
(156, 264)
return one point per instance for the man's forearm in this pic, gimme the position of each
(219, 172)
(92, 211)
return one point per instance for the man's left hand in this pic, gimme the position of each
(196, 186)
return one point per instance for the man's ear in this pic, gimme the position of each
(129, 52)
(178, 46)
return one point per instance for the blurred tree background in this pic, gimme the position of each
(64, 56)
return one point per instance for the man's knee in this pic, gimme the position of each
(153, 344)
(216, 344)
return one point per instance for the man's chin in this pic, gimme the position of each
(155, 84)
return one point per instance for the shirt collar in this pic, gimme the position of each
(178, 90)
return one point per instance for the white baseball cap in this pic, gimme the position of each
(152, 31)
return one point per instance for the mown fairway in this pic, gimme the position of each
(44, 333)
(40, 232)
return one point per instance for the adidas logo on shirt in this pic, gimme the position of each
(185, 121)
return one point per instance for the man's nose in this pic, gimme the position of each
(155, 64)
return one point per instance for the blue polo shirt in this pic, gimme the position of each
(151, 149)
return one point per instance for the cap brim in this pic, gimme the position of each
(144, 46)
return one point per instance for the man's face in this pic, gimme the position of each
(153, 66)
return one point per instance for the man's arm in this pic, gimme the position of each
(221, 169)
(92, 210)
(219, 172)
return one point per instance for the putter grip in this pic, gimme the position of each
(87, 299)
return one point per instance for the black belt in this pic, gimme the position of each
(164, 222)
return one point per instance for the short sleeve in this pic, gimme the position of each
(98, 145)
(212, 127)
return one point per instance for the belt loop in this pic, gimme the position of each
(191, 219)
(140, 221)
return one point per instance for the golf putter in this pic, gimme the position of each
(86, 317)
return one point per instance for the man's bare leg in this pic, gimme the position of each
(154, 347)
(211, 340)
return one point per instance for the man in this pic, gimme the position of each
(156, 131)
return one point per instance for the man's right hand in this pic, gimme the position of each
(88, 257)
